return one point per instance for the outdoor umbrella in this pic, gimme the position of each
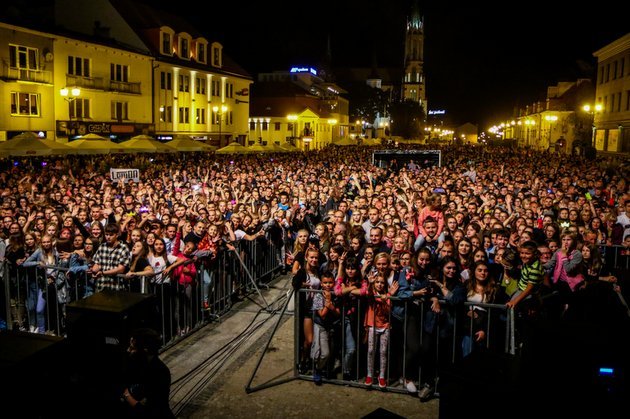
(29, 144)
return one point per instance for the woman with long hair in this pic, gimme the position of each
(140, 268)
(307, 277)
(481, 288)
(447, 293)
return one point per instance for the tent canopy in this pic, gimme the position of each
(29, 144)
(95, 144)
(146, 144)
(233, 148)
(182, 143)
(345, 142)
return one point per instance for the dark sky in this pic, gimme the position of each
(480, 62)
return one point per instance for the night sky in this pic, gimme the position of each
(480, 62)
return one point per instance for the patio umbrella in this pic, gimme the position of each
(290, 148)
(188, 144)
(29, 144)
(95, 144)
(258, 148)
(345, 142)
(233, 148)
(147, 144)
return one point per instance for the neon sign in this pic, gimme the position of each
(303, 70)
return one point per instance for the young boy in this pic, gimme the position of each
(325, 314)
(532, 275)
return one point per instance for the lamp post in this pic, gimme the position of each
(219, 111)
(332, 123)
(550, 120)
(69, 95)
(293, 120)
(592, 110)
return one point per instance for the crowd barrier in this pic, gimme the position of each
(412, 347)
(35, 297)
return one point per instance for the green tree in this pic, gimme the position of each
(366, 102)
(407, 119)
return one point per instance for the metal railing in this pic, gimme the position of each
(36, 296)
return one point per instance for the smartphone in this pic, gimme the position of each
(588, 196)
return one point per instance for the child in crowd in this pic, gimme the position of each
(326, 314)
(378, 327)
(432, 210)
(532, 275)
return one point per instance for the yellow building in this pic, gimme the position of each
(612, 92)
(26, 85)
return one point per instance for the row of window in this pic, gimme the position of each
(613, 70)
(277, 126)
(166, 115)
(29, 104)
(615, 102)
(184, 49)
(166, 83)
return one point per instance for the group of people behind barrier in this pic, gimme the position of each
(548, 235)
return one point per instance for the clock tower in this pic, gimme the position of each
(413, 84)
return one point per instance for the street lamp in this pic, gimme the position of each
(592, 110)
(219, 111)
(293, 118)
(550, 120)
(332, 123)
(69, 95)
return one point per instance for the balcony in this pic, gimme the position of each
(85, 82)
(98, 83)
(124, 87)
(27, 74)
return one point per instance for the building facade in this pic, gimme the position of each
(299, 108)
(612, 92)
(119, 69)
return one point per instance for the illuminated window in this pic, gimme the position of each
(120, 110)
(25, 104)
(79, 108)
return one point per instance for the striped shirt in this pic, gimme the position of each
(531, 274)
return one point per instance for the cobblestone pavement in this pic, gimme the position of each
(212, 368)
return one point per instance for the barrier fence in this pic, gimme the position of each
(35, 296)
(413, 348)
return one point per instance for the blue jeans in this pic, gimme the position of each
(36, 306)
(350, 345)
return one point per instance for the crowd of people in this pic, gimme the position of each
(520, 228)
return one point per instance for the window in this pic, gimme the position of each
(166, 80)
(277, 126)
(166, 44)
(78, 66)
(201, 53)
(201, 116)
(119, 72)
(120, 110)
(252, 126)
(216, 55)
(166, 114)
(265, 125)
(24, 104)
(183, 49)
(230, 115)
(200, 85)
(184, 115)
(216, 88)
(23, 57)
(184, 83)
(79, 108)
(627, 100)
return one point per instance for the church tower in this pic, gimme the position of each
(413, 85)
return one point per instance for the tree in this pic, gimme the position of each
(366, 102)
(407, 119)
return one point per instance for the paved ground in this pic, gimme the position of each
(212, 369)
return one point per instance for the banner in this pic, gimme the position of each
(124, 175)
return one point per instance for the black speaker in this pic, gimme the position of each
(35, 373)
(109, 317)
(99, 328)
(482, 376)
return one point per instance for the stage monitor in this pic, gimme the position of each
(410, 159)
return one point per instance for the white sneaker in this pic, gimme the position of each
(411, 387)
